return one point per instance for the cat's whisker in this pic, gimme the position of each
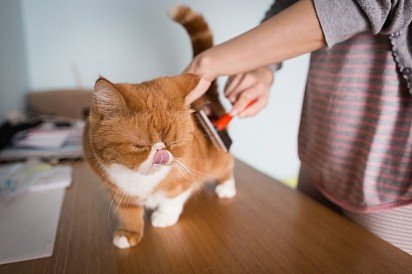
(192, 169)
(130, 197)
(116, 209)
(184, 168)
(192, 176)
(180, 162)
(183, 173)
(108, 211)
(184, 165)
(189, 174)
(120, 202)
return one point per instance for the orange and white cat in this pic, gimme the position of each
(144, 143)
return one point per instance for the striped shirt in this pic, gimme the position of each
(355, 136)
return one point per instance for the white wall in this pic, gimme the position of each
(13, 70)
(132, 40)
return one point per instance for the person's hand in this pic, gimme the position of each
(199, 66)
(243, 88)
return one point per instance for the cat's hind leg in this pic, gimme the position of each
(169, 210)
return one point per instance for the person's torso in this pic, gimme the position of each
(356, 130)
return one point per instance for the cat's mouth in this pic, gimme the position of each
(158, 158)
(162, 157)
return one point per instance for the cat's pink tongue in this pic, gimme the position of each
(161, 157)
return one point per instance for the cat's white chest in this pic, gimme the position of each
(135, 183)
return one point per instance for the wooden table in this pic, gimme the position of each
(267, 227)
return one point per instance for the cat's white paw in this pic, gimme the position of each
(161, 219)
(226, 189)
(121, 242)
(125, 239)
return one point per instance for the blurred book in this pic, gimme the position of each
(39, 139)
(46, 141)
(32, 176)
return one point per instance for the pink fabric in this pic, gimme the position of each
(355, 137)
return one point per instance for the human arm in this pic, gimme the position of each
(339, 21)
(292, 32)
(378, 17)
(256, 84)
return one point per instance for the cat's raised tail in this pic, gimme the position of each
(195, 25)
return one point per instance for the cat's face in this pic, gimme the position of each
(142, 126)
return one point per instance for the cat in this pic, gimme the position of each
(144, 143)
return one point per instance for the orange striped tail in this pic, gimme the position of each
(195, 25)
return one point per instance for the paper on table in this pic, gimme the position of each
(43, 139)
(28, 225)
(18, 178)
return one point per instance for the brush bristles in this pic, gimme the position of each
(210, 131)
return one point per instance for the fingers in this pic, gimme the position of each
(198, 91)
(242, 89)
(233, 83)
(246, 84)
(261, 103)
(244, 99)
(228, 82)
(259, 79)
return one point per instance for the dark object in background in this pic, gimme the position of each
(8, 130)
(72, 103)
(62, 124)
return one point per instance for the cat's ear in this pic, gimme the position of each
(107, 100)
(187, 83)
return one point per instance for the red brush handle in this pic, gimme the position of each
(224, 120)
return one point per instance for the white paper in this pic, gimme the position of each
(28, 225)
(32, 176)
(44, 139)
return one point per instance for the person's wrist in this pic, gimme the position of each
(203, 65)
(268, 75)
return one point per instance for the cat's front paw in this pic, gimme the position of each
(161, 219)
(125, 239)
(226, 189)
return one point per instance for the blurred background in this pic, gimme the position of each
(53, 45)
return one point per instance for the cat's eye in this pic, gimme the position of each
(140, 146)
(175, 144)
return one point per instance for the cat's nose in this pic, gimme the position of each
(161, 157)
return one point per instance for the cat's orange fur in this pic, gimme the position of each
(126, 120)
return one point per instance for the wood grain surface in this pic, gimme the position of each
(266, 228)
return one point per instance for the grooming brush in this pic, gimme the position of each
(219, 138)
(222, 122)
(216, 130)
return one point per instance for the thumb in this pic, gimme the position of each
(198, 91)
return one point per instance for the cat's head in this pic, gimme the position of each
(142, 126)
